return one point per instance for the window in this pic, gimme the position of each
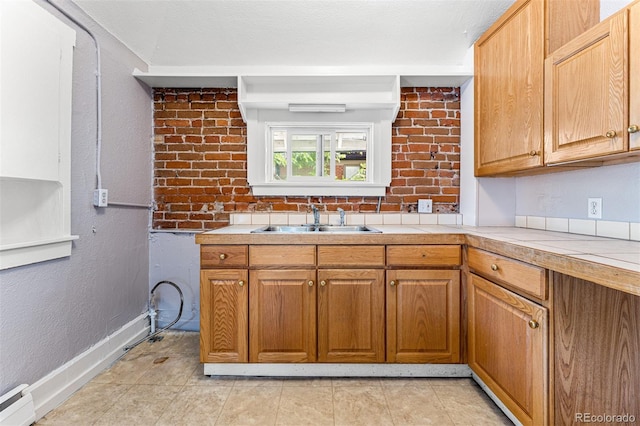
(311, 153)
(319, 135)
(318, 158)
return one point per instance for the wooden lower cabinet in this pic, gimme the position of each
(423, 316)
(508, 347)
(224, 315)
(282, 321)
(351, 315)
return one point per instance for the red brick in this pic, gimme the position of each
(216, 168)
(410, 131)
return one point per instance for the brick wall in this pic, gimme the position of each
(200, 159)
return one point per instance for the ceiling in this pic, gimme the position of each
(320, 34)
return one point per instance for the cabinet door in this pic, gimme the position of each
(586, 94)
(508, 348)
(351, 315)
(282, 321)
(223, 316)
(634, 81)
(423, 316)
(509, 60)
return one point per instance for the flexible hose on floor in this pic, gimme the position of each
(151, 335)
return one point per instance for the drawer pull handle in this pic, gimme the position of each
(223, 256)
(611, 134)
(310, 283)
(533, 153)
(323, 283)
(494, 267)
(534, 324)
(633, 128)
(392, 283)
(241, 283)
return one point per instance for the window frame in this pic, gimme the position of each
(317, 129)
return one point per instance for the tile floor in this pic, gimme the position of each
(161, 383)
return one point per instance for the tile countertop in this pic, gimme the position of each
(609, 262)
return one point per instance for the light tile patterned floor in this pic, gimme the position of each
(161, 383)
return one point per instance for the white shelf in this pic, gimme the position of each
(226, 77)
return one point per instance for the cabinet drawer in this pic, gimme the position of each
(222, 256)
(354, 256)
(423, 255)
(519, 275)
(289, 255)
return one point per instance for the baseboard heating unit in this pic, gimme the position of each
(16, 407)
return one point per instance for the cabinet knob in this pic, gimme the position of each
(223, 256)
(611, 134)
(633, 128)
(310, 283)
(241, 283)
(494, 267)
(533, 153)
(323, 283)
(392, 283)
(534, 324)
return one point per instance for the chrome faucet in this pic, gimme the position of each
(341, 211)
(316, 215)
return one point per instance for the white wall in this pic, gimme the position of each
(565, 194)
(52, 311)
(175, 257)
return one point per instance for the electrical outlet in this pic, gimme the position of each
(425, 206)
(595, 208)
(101, 197)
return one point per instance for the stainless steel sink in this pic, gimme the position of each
(314, 228)
(285, 229)
(346, 228)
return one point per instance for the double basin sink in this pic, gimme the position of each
(288, 229)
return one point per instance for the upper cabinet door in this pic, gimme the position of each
(634, 82)
(508, 91)
(509, 80)
(586, 102)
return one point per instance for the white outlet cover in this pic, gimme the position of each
(594, 208)
(425, 206)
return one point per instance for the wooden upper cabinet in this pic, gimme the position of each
(634, 81)
(586, 99)
(509, 80)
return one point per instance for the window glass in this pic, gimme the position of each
(302, 152)
(304, 155)
(279, 142)
(352, 156)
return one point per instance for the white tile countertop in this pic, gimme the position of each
(610, 262)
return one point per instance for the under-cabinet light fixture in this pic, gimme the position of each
(317, 107)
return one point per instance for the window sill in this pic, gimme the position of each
(18, 254)
(342, 189)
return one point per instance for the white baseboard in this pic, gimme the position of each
(337, 370)
(495, 399)
(56, 387)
